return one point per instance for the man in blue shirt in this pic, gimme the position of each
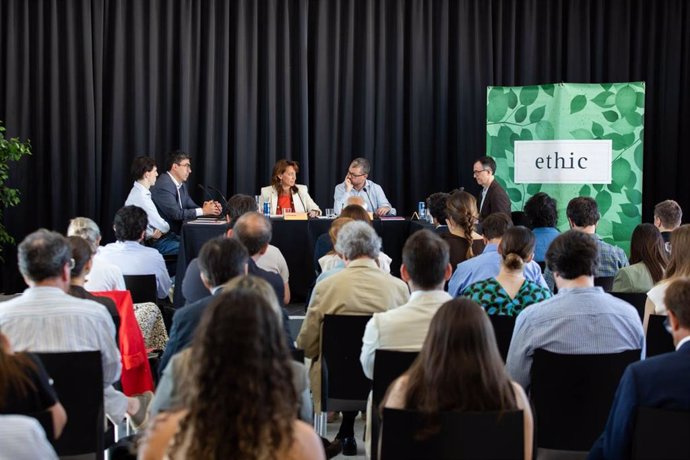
(488, 263)
(357, 184)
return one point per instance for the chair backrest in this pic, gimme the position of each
(388, 366)
(142, 287)
(462, 435)
(503, 330)
(636, 299)
(344, 386)
(606, 282)
(78, 382)
(661, 433)
(572, 396)
(658, 339)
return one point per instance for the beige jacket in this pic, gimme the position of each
(300, 200)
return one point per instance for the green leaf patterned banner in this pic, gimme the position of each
(566, 111)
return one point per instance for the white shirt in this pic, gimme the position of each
(134, 258)
(682, 342)
(104, 276)
(331, 261)
(656, 295)
(141, 196)
(402, 328)
(46, 319)
(273, 261)
(23, 438)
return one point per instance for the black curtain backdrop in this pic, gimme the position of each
(240, 84)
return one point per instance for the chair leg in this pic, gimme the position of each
(321, 424)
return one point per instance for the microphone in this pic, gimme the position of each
(208, 194)
(225, 200)
(302, 201)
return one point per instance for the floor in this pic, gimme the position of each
(359, 435)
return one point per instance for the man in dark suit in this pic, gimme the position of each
(171, 197)
(220, 260)
(660, 382)
(492, 198)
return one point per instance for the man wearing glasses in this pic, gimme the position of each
(171, 197)
(492, 198)
(357, 184)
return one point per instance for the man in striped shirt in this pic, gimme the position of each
(46, 319)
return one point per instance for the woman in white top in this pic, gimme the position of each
(678, 267)
(284, 193)
(460, 369)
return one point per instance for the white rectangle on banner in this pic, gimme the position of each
(563, 162)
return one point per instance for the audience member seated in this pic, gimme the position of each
(436, 207)
(361, 288)
(82, 254)
(460, 369)
(583, 215)
(581, 319)
(332, 260)
(461, 215)
(648, 259)
(668, 216)
(488, 264)
(220, 260)
(46, 319)
(660, 382)
(678, 267)
(25, 387)
(158, 234)
(130, 255)
(23, 438)
(510, 292)
(103, 276)
(284, 193)
(174, 381)
(228, 415)
(542, 214)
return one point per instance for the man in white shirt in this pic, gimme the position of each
(103, 276)
(158, 234)
(130, 255)
(46, 319)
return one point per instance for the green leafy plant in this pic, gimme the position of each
(12, 149)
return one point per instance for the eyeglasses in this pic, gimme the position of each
(184, 165)
(476, 173)
(351, 174)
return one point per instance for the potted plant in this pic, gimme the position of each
(11, 149)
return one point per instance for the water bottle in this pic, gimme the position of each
(267, 209)
(421, 210)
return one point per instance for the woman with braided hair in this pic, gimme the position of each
(461, 216)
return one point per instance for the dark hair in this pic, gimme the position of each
(43, 254)
(669, 213)
(426, 256)
(141, 165)
(176, 157)
(573, 254)
(280, 167)
(517, 245)
(677, 300)
(679, 262)
(647, 246)
(222, 259)
(459, 367)
(81, 253)
(239, 205)
(541, 211)
(583, 211)
(129, 223)
(242, 403)
(15, 371)
(461, 209)
(356, 212)
(363, 163)
(495, 225)
(254, 231)
(436, 206)
(487, 163)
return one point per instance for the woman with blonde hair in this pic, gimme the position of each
(461, 216)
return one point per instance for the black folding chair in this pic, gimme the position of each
(344, 387)
(661, 433)
(78, 382)
(461, 435)
(636, 299)
(658, 339)
(572, 396)
(388, 366)
(606, 282)
(503, 330)
(142, 288)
